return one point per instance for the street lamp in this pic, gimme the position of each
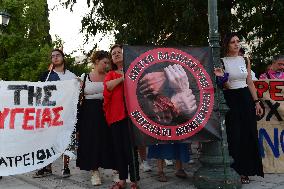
(4, 18)
(4, 21)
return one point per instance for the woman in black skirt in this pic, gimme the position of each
(94, 147)
(241, 98)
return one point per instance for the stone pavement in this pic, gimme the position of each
(81, 180)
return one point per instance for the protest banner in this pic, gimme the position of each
(271, 125)
(163, 110)
(36, 123)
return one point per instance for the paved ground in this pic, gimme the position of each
(81, 180)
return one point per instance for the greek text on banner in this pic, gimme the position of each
(36, 123)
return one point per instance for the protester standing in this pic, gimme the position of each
(94, 144)
(116, 115)
(175, 151)
(241, 98)
(57, 72)
(276, 69)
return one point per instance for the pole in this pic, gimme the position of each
(215, 171)
(51, 67)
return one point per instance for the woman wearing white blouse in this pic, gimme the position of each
(94, 145)
(241, 98)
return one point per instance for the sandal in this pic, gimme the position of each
(42, 173)
(162, 177)
(181, 174)
(245, 180)
(134, 186)
(117, 185)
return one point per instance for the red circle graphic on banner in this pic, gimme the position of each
(160, 101)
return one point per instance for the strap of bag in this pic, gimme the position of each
(222, 62)
(82, 96)
(84, 82)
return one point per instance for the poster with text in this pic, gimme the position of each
(36, 123)
(170, 94)
(271, 125)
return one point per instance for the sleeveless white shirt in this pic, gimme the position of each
(93, 90)
(236, 67)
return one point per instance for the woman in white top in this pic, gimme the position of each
(94, 145)
(241, 98)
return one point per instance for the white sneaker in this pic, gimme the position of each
(169, 162)
(145, 166)
(128, 179)
(115, 176)
(96, 178)
(191, 161)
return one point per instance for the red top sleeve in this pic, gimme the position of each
(114, 105)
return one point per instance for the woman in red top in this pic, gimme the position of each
(117, 119)
(114, 97)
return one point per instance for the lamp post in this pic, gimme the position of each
(4, 20)
(215, 171)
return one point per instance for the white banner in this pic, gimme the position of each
(271, 125)
(36, 123)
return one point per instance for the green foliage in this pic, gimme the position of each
(185, 22)
(77, 69)
(25, 44)
(261, 22)
(153, 22)
(24, 65)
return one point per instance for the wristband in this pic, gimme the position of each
(221, 80)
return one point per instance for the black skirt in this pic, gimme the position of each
(125, 155)
(95, 138)
(242, 134)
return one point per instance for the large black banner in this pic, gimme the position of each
(170, 94)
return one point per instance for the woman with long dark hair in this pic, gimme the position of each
(244, 106)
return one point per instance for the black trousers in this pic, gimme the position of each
(125, 154)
